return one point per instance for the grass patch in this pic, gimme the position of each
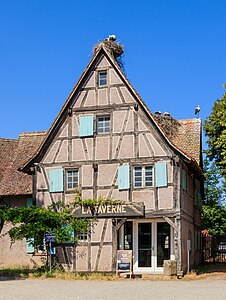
(74, 275)
(16, 272)
(43, 273)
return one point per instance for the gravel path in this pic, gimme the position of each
(210, 288)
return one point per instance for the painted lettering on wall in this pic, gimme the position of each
(104, 209)
(110, 210)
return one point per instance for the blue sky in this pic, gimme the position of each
(174, 54)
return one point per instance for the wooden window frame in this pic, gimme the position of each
(104, 124)
(66, 179)
(100, 84)
(143, 177)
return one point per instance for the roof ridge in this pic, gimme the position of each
(8, 139)
(197, 120)
(33, 133)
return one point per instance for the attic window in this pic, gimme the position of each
(102, 78)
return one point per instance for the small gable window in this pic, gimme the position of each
(102, 78)
(71, 179)
(103, 124)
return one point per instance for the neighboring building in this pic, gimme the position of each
(16, 191)
(105, 142)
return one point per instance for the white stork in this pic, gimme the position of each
(197, 109)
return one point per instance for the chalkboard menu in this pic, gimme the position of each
(124, 261)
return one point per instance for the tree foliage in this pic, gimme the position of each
(215, 129)
(34, 222)
(213, 209)
(58, 218)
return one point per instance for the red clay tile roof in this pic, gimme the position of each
(188, 138)
(7, 148)
(184, 134)
(13, 154)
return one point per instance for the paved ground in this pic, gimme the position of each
(209, 288)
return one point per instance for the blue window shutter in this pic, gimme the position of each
(29, 202)
(56, 180)
(160, 174)
(86, 126)
(69, 231)
(30, 245)
(123, 177)
(184, 180)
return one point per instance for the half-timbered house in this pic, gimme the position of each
(106, 143)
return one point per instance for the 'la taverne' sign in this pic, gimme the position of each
(118, 210)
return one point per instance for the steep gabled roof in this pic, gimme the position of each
(14, 154)
(98, 52)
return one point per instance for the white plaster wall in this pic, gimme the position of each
(127, 147)
(102, 96)
(146, 196)
(106, 174)
(165, 197)
(114, 78)
(41, 183)
(102, 147)
(64, 131)
(62, 155)
(51, 152)
(115, 97)
(87, 175)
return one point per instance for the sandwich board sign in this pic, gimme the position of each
(124, 262)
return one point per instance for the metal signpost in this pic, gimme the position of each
(50, 237)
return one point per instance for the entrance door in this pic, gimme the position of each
(163, 243)
(144, 245)
(151, 245)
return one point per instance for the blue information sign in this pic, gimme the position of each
(50, 237)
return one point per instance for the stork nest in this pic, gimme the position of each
(113, 48)
(168, 124)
